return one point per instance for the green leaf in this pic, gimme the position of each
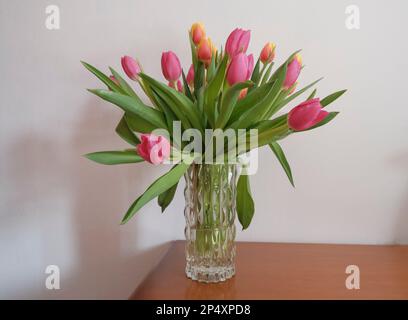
(258, 112)
(326, 120)
(164, 99)
(182, 106)
(245, 204)
(228, 102)
(280, 104)
(200, 102)
(166, 197)
(187, 87)
(215, 85)
(212, 91)
(132, 106)
(199, 76)
(268, 132)
(312, 95)
(330, 98)
(280, 155)
(138, 124)
(211, 69)
(256, 73)
(115, 157)
(267, 73)
(125, 86)
(104, 78)
(168, 113)
(273, 123)
(251, 99)
(126, 133)
(156, 188)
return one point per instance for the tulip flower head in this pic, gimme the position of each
(154, 149)
(197, 32)
(171, 67)
(306, 115)
(190, 75)
(240, 68)
(243, 93)
(204, 51)
(293, 71)
(131, 67)
(267, 53)
(237, 42)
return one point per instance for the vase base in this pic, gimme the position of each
(209, 274)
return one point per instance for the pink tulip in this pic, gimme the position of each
(293, 71)
(190, 76)
(171, 67)
(179, 85)
(240, 68)
(237, 42)
(154, 149)
(131, 67)
(306, 115)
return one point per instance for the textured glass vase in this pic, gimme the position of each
(210, 211)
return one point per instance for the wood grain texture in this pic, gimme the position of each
(287, 271)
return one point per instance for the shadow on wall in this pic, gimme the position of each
(401, 230)
(78, 207)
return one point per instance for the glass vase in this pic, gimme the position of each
(210, 211)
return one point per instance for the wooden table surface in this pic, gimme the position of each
(287, 271)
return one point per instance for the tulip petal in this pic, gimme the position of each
(303, 116)
(320, 117)
(292, 73)
(171, 67)
(154, 149)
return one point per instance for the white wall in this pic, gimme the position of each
(58, 208)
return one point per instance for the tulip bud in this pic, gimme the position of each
(240, 68)
(171, 67)
(131, 67)
(293, 71)
(190, 75)
(237, 42)
(204, 51)
(306, 115)
(197, 32)
(243, 93)
(154, 149)
(267, 53)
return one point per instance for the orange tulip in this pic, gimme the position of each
(267, 53)
(204, 50)
(197, 32)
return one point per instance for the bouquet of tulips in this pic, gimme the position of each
(223, 90)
